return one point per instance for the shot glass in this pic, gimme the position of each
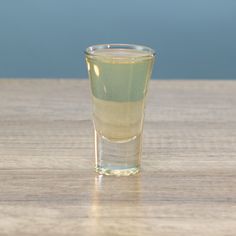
(119, 76)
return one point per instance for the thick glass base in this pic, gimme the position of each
(120, 158)
(120, 172)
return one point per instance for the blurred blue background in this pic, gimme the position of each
(46, 38)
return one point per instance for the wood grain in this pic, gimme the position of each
(47, 182)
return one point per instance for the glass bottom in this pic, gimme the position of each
(120, 158)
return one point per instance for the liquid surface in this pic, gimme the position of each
(122, 55)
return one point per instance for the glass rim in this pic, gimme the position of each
(89, 51)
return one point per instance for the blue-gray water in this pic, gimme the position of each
(46, 38)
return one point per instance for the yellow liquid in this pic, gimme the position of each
(118, 120)
(119, 80)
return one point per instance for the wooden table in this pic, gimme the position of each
(47, 182)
